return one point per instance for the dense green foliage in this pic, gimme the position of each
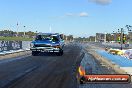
(16, 39)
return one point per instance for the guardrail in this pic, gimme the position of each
(117, 45)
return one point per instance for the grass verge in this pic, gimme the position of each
(15, 39)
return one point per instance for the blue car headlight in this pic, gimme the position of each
(31, 44)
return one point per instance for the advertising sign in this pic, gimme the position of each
(10, 45)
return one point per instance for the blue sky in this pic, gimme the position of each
(77, 17)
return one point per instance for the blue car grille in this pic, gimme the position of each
(42, 45)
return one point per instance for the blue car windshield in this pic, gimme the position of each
(43, 37)
(47, 37)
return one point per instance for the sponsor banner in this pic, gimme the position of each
(107, 78)
(10, 45)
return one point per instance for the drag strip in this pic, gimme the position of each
(52, 71)
(12, 70)
(43, 71)
(13, 59)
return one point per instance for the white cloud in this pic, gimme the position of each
(69, 14)
(101, 2)
(83, 14)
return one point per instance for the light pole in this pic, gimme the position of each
(105, 37)
(17, 33)
(121, 37)
(24, 30)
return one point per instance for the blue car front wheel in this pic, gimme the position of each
(60, 53)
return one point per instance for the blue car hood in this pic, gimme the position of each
(45, 42)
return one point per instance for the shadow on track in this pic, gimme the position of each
(47, 54)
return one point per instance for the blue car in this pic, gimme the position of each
(47, 42)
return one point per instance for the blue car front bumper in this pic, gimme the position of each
(45, 49)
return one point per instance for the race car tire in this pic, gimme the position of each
(35, 53)
(60, 53)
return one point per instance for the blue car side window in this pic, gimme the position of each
(55, 39)
(39, 37)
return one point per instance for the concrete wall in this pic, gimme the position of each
(26, 44)
(14, 45)
(116, 45)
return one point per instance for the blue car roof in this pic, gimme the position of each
(48, 34)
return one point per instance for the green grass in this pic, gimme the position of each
(16, 39)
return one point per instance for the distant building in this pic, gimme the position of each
(91, 38)
(6, 33)
(130, 35)
(100, 37)
(9, 33)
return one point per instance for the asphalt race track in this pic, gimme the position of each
(50, 71)
(43, 71)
